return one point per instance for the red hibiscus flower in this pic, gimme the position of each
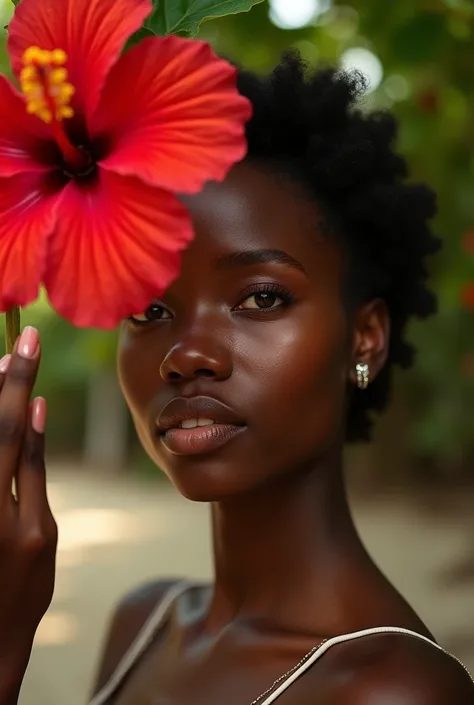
(94, 150)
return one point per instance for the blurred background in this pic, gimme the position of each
(413, 489)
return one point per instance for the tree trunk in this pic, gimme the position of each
(106, 428)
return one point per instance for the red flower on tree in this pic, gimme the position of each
(467, 297)
(94, 150)
(468, 242)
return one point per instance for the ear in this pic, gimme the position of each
(371, 338)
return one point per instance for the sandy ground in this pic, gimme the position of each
(116, 533)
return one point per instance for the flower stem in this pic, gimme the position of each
(12, 327)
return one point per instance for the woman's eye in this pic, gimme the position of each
(155, 312)
(261, 300)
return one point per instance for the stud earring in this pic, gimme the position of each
(363, 375)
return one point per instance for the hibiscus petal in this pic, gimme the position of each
(116, 246)
(91, 32)
(170, 113)
(28, 205)
(25, 143)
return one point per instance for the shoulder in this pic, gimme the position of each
(396, 668)
(127, 620)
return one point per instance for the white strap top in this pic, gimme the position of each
(157, 617)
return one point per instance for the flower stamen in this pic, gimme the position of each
(48, 93)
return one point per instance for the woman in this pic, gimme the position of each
(273, 348)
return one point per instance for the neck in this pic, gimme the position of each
(288, 544)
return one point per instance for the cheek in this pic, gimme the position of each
(302, 377)
(136, 372)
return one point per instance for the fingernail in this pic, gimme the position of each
(5, 363)
(38, 416)
(28, 343)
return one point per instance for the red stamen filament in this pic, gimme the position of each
(75, 158)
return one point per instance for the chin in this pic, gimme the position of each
(230, 472)
(205, 478)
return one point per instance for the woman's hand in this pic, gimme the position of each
(28, 532)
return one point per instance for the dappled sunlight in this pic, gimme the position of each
(57, 495)
(85, 527)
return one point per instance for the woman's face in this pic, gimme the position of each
(253, 336)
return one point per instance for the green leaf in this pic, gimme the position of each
(186, 16)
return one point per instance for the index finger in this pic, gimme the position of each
(14, 405)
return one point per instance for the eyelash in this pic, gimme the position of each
(282, 292)
(142, 324)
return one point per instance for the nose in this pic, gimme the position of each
(196, 358)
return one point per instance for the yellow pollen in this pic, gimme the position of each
(57, 76)
(43, 80)
(65, 112)
(59, 57)
(28, 73)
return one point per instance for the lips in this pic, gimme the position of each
(181, 409)
(197, 425)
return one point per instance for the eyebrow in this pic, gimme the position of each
(247, 258)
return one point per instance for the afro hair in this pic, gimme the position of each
(312, 125)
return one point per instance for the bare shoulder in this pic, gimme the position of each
(127, 620)
(394, 668)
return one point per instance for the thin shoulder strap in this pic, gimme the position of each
(350, 637)
(141, 642)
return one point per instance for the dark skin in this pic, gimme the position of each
(273, 340)
(290, 569)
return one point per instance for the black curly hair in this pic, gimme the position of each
(309, 124)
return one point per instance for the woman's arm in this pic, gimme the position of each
(28, 532)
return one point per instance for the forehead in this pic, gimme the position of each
(257, 208)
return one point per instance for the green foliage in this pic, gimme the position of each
(421, 38)
(186, 16)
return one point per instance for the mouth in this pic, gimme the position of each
(198, 425)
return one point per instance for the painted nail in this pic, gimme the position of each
(38, 416)
(5, 363)
(28, 344)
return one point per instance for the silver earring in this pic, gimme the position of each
(363, 375)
